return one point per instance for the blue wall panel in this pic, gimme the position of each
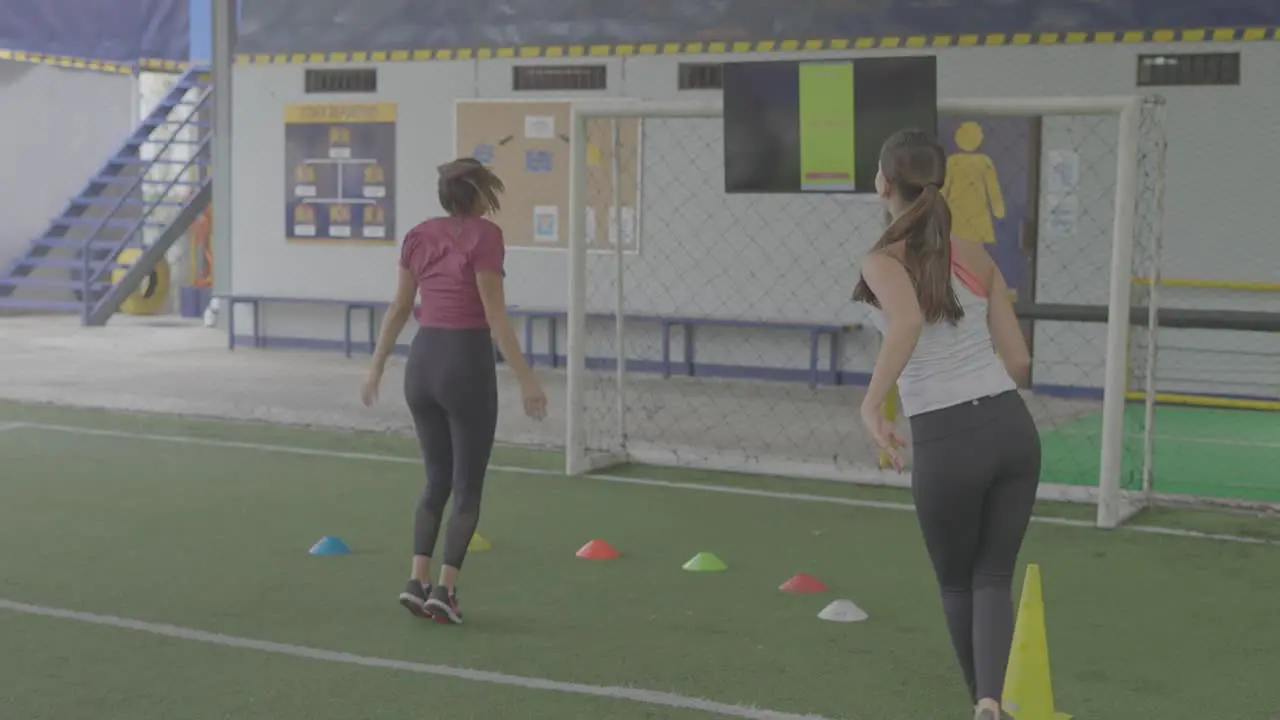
(113, 30)
(201, 30)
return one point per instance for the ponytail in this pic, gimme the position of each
(925, 230)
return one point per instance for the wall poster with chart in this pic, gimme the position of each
(340, 173)
(527, 144)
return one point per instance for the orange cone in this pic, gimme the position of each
(597, 550)
(803, 583)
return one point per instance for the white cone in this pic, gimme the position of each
(842, 611)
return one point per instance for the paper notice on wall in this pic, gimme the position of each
(1062, 215)
(594, 155)
(1063, 172)
(590, 226)
(628, 217)
(546, 224)
(539, 127)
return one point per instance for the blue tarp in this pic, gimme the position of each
(113, 30)
(277, 26)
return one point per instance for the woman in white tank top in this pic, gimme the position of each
(953, 346)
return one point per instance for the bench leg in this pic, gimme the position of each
(552, 328)
(690, 357)
(837, 356)
(813, 358)
(528, 340)
(346, 335)
(666, 350)
(259, 341)
(231, 324)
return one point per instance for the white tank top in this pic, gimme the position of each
(952, 364)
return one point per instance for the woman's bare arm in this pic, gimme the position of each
(892, 286)
(493, 296)
(1006, 331)
(394, 320)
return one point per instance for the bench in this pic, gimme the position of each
(687, 324)
(371, 307)
(259, 335)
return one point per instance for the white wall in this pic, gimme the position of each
(48, 146)
(703, 252)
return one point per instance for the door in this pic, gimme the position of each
(992, 181)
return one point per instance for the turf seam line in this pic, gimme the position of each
(622, 479)
(612, 692)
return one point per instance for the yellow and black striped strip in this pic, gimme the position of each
(1199, 35)
(79, 63)
(163, 65)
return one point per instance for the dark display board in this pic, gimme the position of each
(807, 126)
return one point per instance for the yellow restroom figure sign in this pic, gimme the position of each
(973, 187)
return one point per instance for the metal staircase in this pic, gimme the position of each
(145, 197)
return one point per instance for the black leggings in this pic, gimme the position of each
(451, 386)
(976, 467)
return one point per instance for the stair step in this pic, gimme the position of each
(66, 283)
(76, 243)
(106, 222)
(30, 304)
(68, 263)
(108, 200)
(156, 161)
(112, 179)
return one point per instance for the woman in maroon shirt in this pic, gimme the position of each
(456, 264)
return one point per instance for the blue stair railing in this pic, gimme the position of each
(145, 197)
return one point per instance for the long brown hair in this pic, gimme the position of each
(915, 165)
(466, 187)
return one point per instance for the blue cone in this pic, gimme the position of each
(330, 545)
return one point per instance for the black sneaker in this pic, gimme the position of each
(442, 604)
(414, 597)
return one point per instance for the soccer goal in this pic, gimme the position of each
(741, 350)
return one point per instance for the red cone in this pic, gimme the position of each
(597, 550)
(803, 583)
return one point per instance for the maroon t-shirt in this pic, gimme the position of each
(445, 254)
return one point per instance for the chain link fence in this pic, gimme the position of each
(742, 348)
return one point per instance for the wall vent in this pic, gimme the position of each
(559, 77)
(701, 76)
(1188, 69)
(356, 80)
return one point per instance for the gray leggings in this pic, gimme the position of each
(976, 467)
(451, 387)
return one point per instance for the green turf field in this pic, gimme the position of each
(146, 576)
(1206, 452)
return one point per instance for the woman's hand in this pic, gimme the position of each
(369, 390)
(535, 400)
(884, 434)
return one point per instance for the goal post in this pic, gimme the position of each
(688, 309)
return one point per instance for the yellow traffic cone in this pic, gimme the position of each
(1028, 691)
(478, 544)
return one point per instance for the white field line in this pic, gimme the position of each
(638, 695)
(9, 426)
(620, 479)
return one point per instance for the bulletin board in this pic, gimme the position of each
(340, 173)
(527, 144)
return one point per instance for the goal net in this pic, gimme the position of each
(741, 348)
